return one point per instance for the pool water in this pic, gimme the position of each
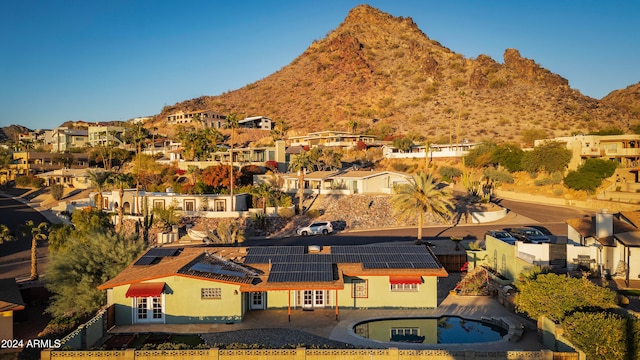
(442, 330)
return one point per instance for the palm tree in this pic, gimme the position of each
(265, 191)
(98, 179)
(37, 232)
(422, 195)
(300, 163)
(233, 124)
(5, 234)
(120, 181)
(353, 125)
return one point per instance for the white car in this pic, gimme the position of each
(319, 227)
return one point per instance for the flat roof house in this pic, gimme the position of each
(175, 285)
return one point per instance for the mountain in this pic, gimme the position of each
(628, 99)
(385, 73)
(11, 132)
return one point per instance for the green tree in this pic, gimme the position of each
(508, 156)
(58, 235)
(421, 196)
(481, 155)
(598, 167)
(98, 179)
(37, 233)
(551, 156)
(88, 220)
(529, 136)
(599, 334)
(57, 191)
(265, 191)
(555, 296)
(578, 181)
(87, 261)
(168, 216)
(300, 163)
(404, 144)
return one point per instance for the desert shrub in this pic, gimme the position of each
(286, 212)
(448, 173)
(57, 190)
(498, 176)
(497, 83)
(400, 166)
(314, 213)
(599, 167)
(29, 181)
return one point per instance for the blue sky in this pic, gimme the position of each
(119, 59)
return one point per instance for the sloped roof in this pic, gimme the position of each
(586, 226)
(631, 216)
(10, 298)
(281, 267)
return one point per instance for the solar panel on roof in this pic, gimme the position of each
(145, 260)
(163, 252)
(215, 269)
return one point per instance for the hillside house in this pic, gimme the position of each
(624, 149)
(70, 178)
(101, 135)
(63, 139)
(207, 205)
(607, 244)
(338, 139)
(436, 151)
(347, 182)
(257, 122)
(32, 162)
(174, 285)
(208, 118)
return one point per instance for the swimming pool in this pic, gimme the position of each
(442, 330)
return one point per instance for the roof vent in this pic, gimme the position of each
(314, 248)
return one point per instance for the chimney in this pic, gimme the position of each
(604, 224)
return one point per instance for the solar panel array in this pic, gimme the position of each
(154, 255)
(293, 264)
(301, 272)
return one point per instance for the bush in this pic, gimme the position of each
(498, 176)
(57, 191)
(29, 181)
(286, 213)
(314, 213)
(448, 173)
(600, 334)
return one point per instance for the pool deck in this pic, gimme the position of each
(323, 322)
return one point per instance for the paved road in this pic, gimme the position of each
(15, 255)
(548, 217)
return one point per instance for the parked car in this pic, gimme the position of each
(529, 235)
(318, 227)
(502, 235)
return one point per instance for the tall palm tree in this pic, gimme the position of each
(120, 181)
(38, 233)
(422, 195)
(300, 163)
(98, 179)
(232, 123)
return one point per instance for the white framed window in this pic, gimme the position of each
(404, 287)
(158, 204)
(405, 331)
(211, 293)
(220, 205)
(148, 309)
(189, 205)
